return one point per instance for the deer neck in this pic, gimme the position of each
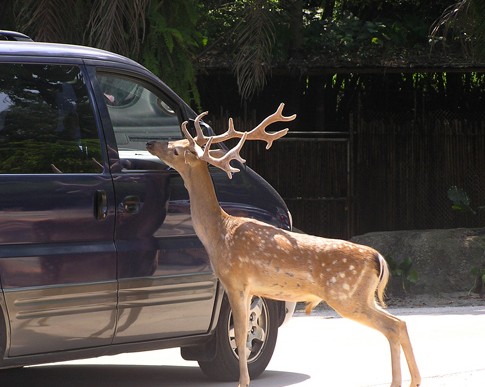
(207, 215)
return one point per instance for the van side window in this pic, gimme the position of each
(47, 123)
(138, 114)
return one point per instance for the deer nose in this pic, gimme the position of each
(150, 145)
(153, 145)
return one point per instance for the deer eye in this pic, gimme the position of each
(175, 152)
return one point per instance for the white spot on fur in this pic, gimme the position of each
(342, 275)
(346, 286)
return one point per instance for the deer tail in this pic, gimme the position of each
(383, 279)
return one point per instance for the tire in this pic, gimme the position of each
(263, 329)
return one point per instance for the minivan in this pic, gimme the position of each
(98, 254)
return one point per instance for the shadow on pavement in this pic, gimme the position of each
(130, 376)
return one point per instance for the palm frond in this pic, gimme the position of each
(461, 22)
(46, 20)
(255, 38)
(118, 25)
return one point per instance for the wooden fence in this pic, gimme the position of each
(386, 172)
(404, 168)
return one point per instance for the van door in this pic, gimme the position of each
(57, 255)
(166, 285)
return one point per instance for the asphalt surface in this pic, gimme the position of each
(317, 350)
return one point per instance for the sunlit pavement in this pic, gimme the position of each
(316, 350)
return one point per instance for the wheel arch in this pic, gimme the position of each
(207, 351)
(4, 332)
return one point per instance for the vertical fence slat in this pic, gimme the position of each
(402, 169)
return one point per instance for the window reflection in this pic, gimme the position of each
(137, 114)
(46, 121)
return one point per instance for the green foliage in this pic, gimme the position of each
(170, 45)
(247, 34)
(478, 274)
(355, 36)
(404, 271)
(169, 37)
(462, 203)
(342, 31)
(162, 35)
(352, 32)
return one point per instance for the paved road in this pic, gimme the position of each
(320, 350)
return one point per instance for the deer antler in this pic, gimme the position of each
(219, 162)
(258, 133)
(201, 143)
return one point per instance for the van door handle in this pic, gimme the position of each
(100, 204)
(131, 204)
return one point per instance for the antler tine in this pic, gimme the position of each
(224, 161)
(259, 132)
(200, 138)
(205, 153)
(230, 133)
(187, 135)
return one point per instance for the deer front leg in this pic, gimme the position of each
(239, 301)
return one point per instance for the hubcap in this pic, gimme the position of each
(257, 330)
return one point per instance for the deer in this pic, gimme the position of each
(252, 258)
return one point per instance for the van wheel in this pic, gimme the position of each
(262, 334)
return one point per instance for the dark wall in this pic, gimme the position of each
(403, 139)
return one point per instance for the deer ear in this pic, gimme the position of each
(177, 150)
(190, 157)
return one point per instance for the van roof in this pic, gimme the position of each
(26, 48)
(14, 36)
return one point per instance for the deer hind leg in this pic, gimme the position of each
(395, 331)
(239, 301)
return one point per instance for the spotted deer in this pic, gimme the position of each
(253, 258)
